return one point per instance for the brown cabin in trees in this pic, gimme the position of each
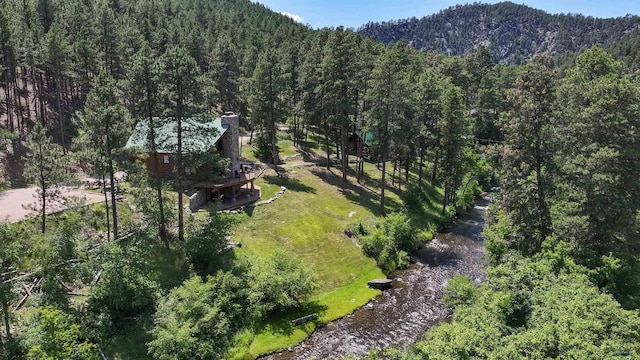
(202, 136)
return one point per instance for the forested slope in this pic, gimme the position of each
(510, 31)
(76, 74)
(51, 50)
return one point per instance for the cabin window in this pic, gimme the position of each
(166, 159)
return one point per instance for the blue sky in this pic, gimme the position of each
(354, 13)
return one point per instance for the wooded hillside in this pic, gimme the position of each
(403, 140)
(52, 50)
(510, 31)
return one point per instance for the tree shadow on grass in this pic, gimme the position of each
(289, 183)
(356, 193)
(130, 342)
(170, 265)
(279, 323)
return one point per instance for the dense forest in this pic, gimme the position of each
(512, 32)
(562, 143)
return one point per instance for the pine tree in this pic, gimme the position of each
(225, 70)
(105, 125)
(527, 153)
(266, 101)
(45, 168)
(57, 50)
(454, 138)
(599, 193)
(311, 84)
(428, 116)
(144, 85)
(338, 86)
(183, 98)
(389, 102)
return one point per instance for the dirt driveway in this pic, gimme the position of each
(16, 205)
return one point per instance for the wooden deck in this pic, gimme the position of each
(242, 179)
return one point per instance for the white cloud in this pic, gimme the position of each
(296, 18)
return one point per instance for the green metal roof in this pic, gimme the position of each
(367, 137)
(198, 134)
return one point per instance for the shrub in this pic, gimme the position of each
(460, 291)
(281, 282)
(125, 287)
(390, 242)
(52, 334)
(200, 318)
(205, 244)
(263, 147)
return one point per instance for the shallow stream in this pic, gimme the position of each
(400, 315)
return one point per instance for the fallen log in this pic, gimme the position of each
(304, 319)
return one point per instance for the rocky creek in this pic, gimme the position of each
(414, 304)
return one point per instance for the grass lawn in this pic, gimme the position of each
(287, 148)
(309, 220)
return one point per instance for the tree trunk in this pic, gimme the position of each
(274, 147)
(336, 141)
(345, 153)
(180, 178)
(421, 165)
(41, 100)
(162, 231)
(360, 160)
(434, 173)
(446, 196)
(44, 197)
(326, 143)
(382, 182)
(106, 203)
(7, 325)
(114, 208)
(407, 166)
(59, 103)
(393, 174)
(251, 134)
(7, 105)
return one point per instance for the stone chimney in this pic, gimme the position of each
(232, 147)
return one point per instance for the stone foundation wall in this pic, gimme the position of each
(197, 200)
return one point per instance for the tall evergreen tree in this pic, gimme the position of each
(106, 124)
(225, 69)
(454, 138)
(144, 84)
(527, 153)
(45, 168)
(266, 101)
(338, 86)
(183, 99)
(57, 50)
(428, 115)
(310, 84)
(598, 195)
(388, 101)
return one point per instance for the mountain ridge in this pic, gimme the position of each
(512, 32)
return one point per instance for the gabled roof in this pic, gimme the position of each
(198, 134)
(367, 137)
